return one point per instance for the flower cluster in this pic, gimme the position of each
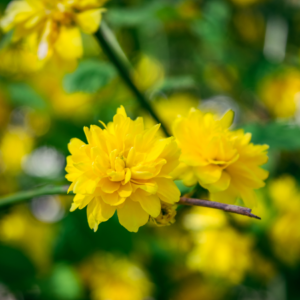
(122, 168)
(222, 161)
(129, 169)
(56, 24)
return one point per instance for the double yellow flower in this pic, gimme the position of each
(55, 24)
(129, 169)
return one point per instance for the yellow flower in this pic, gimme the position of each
(167, 109)
(285, 195)
(149, 73)
(226, 248)
(215, 241)
(18, 224)
(14, 146)
(57, 23)
(20, 58)
(125, 168)
(114, 278)
(222, 161)
(280, 93)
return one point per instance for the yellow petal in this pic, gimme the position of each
(208, 174)
(107, 211)
(221, 185)
(74, 145)
(112, 199)
(108, 186)
(89, 20)
(151, 204)
(97, 212)
(167, 190)
(125, 190)
(227, 119)
(132, 216)
(121, 111)
(148, 186)
(69, 44)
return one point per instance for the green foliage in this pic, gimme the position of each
(21, 94)
(64, 283)
(279, 136)
(89, 77)
(16, 270)
(180, 82)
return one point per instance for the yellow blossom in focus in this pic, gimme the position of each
(57, 23)
(222, 161)
(115, 278)
(280, 93)
(14, 146)
(123, 167)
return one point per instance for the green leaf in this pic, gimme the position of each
(279, 136)
(176, 83)
(23, 94)
(133, 16)
(65, 283)
(89, 77)
(16, 270)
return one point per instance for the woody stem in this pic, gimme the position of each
(102, 36)
(216, 205)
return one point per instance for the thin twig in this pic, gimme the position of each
(107, 47)
(28, 195)
(226, 207)
(62, 190)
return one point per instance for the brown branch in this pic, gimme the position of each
(226, 207)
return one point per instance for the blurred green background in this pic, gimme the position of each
(211, 54)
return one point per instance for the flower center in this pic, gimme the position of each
(117, 171)
(60, 13)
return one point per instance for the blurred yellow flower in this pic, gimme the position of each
(285, 194)
(285, 236)
(125, 168)
(284, 233)
(169, 108)
(115, 278)
(57, 23)
(149, 73)
(222, 161)
(14, 146)
(219, 250)
(20, 58)
(281, 93)
(18, 225)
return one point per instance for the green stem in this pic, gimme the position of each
(103, 39)
(28, 195)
